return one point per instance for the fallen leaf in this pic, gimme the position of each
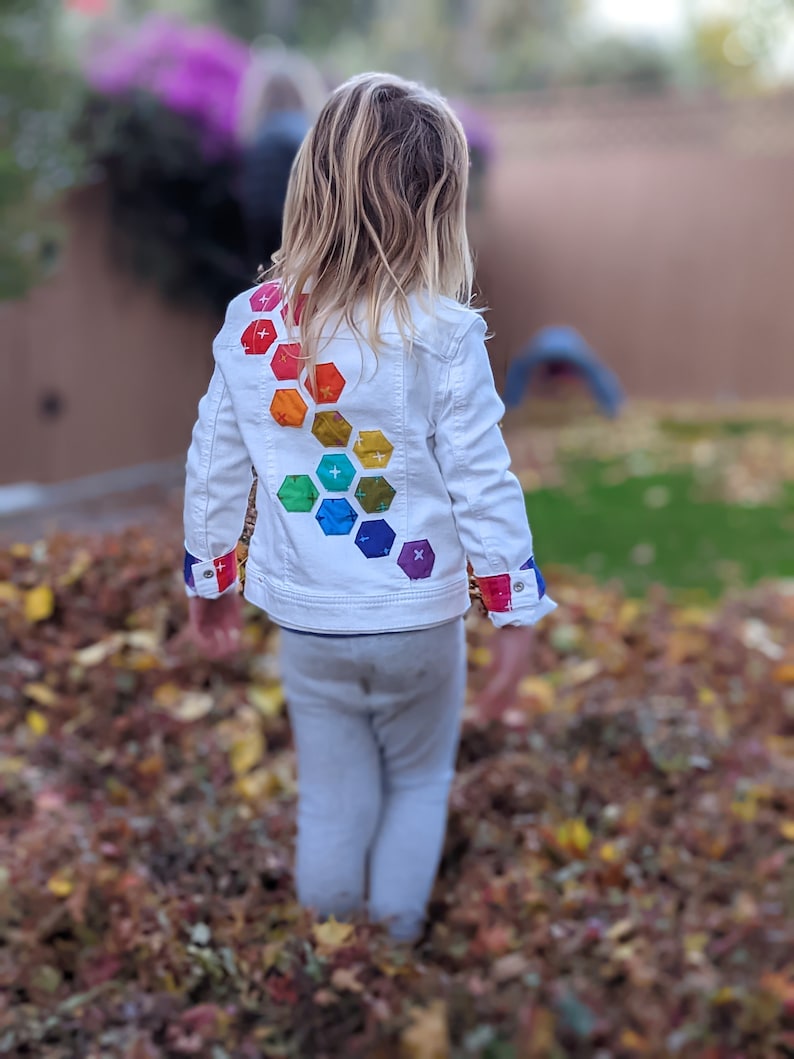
(40, 693)
(427, 1036)
(344, 980)
(246, 751)
(193, 705)
(784, 674)
(268, 700)
(574, 836)
(332, 934)
(787, 830)
(9, 593)
(96, 653)
(37, 722)
(60, 885)
(39, 603)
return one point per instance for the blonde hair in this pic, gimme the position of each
(375, 210)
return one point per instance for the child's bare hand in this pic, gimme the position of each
(511, 646)
(216, 625)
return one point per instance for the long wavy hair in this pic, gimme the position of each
(375, 211)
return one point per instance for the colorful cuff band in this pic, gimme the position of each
(223, 571)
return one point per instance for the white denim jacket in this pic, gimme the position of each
(374, 486)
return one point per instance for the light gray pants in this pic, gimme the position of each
(376, 721)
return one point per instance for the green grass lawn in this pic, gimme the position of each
(657, 528)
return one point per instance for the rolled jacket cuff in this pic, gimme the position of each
(516, 598)
(210, 578)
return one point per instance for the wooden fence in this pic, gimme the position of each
(661, 229)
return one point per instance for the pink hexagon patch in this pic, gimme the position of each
(265, 298)
(416, 559)
(258, 337)
(286, 362)
(330, 383)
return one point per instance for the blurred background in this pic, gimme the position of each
(633, 174)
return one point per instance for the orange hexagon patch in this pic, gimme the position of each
(288, 408)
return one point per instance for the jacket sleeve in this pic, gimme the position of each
(217, 484)
(487, 500)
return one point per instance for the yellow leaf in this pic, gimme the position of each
(167, 694)
(40, 693)
(746, 810)
(538, 689)
(694, 944)
(39, 603)
(784, 674)
(37, 722)
(628, 614)
(79, 566)
(19, 551)
(720, 723)
(60, 885)
(609, 853)
(246, 751)
(193, 706)
(787, 830)
(631, 1040)
(706, 697)
(257, 785)
(9, 593)
(427, 1037)
(268, 700)
(480, 656)
(725, 995)
(96, 653)
(575, 836)
(331, 934)
(583, 672)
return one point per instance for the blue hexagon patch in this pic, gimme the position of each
(336, 517)
(375, 538)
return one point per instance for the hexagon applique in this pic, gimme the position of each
(288, 408)
(298, 493)
(258, 337)
(299, 304)
(374, 494)
(331, 429)
(336, 517)
(375, 538)
(265, 298)
(416, 559)
(286, 362)
(329, 383)
(373, 449)
(336, 473)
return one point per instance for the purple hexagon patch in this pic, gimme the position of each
(375, 538)
(416, 559)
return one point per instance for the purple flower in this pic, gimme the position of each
(194, 70)
(477, 129)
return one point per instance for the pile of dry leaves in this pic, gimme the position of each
(618, 878)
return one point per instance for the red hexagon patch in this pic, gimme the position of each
(330, 383)
(258, 337)
(286, 362)
(298, 309)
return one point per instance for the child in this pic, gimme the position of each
(358, 385)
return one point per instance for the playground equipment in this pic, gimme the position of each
(563, 352)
